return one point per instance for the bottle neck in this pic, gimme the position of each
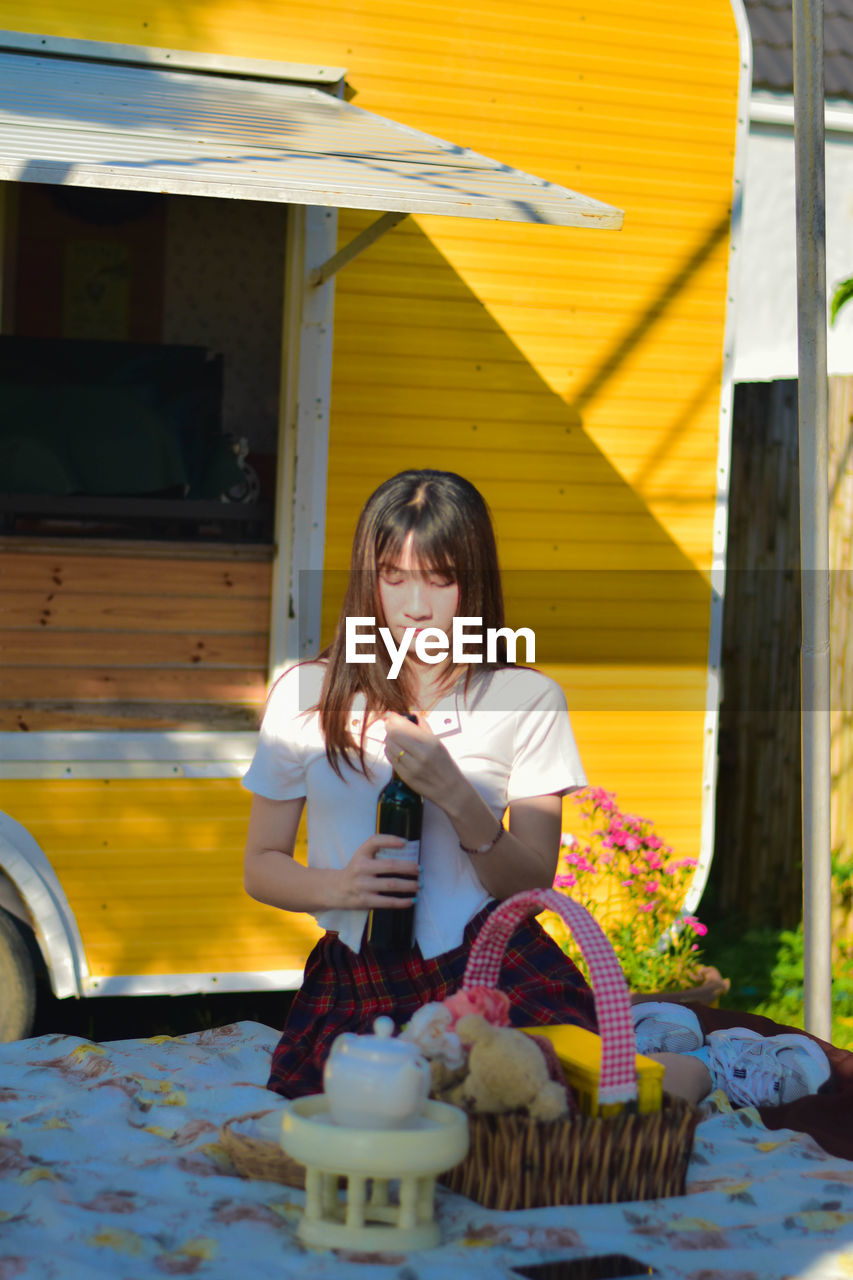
(401, 782)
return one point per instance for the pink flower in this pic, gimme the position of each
(696, 925)
(493, 1005)
(575, 860)
(630, 843)
(604, 800)
(567, 881)
(651, 886)
(646, 906)
(597, 794)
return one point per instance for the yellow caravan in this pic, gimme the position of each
(254, 260)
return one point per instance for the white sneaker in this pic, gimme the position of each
(765, 1071)
(662, 1026)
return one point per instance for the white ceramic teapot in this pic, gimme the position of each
(375, 1082)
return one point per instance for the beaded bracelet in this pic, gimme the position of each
(485, 848)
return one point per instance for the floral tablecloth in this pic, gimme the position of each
(110, 1165)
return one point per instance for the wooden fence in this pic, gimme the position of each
(841, 559)
(757, 870)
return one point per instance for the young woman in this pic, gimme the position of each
(488, 738)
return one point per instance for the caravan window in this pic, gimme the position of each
(140, 363)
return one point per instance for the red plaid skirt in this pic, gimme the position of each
(344, 991)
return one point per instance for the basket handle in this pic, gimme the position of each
(618, 1079)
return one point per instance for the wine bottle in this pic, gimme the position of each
(399, 812)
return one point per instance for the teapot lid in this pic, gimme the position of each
(381, 1046)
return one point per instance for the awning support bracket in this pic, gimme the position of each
(357, 245)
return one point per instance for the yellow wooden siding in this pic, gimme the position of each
(146, 639)
(153, 872)
(574, 376)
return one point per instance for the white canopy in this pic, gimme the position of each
(85, 114)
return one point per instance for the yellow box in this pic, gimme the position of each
(579, 1052)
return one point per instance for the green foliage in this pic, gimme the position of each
(842, 882)
(765, 967)
(841, 295)
(623, 873)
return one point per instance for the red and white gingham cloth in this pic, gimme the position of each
(618, 1079)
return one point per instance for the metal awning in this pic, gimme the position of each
(83, 114)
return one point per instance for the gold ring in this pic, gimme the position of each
(400, 755)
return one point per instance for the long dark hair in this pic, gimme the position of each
(452, 533)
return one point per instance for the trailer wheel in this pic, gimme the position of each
(17, 982)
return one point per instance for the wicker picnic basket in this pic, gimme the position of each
(256, 1156)
(518, 1163)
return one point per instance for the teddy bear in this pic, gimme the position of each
(506, 1071)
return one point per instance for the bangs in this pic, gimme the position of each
(433, 544)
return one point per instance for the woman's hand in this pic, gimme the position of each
(425, 763)
(272, 874)
(524, 857)
(373, 877)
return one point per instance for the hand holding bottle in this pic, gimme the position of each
(425, 763)
(376, 877)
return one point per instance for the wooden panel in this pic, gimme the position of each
(841, 636)
(130, 612)
(142, 684)
(122, 649)
(159, 641)
(504, 436)
(56, 570)
(114, 716)
(757, 870)
(759, 849)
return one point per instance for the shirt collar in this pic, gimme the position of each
(444, 719)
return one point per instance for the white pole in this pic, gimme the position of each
(809, 130)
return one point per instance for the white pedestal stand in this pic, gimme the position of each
(369, 1159)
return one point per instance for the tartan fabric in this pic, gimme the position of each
(345, 991)
(618, 1078)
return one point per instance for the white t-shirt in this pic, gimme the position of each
(510, 736)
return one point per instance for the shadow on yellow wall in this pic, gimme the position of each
(423, 375)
